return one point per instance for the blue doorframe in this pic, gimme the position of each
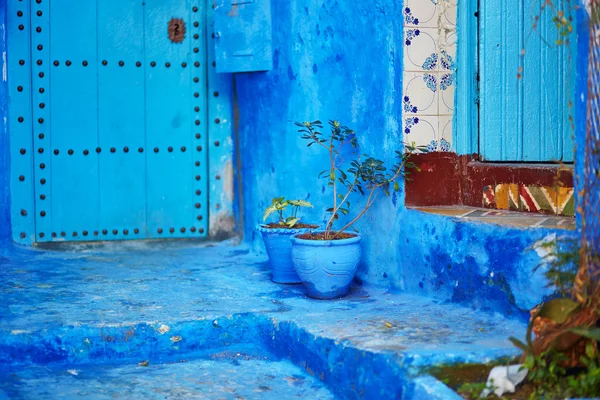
(20, 125)
(223, 210)
(218, 175)
(4, 143)
(466, 116)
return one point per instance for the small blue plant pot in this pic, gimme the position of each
(326, 267)
(279, 250)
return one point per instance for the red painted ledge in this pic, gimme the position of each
(449, 179)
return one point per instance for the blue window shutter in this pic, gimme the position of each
(243, 35)
(524, 113)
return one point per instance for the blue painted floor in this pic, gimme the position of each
(118, 304)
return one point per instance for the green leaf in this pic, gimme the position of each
(291, 221)
(300, 203)
(590, 333)
(396, 186)
(269, 211)
(590, 351)
(277, 200)
(559, 310)
(518, 343)
(332, 175)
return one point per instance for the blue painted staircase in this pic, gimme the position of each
(84, 320)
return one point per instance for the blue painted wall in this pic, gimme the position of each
(332, 60)
(343, 60)
(4, 160)
(587, 166)
(581, 92)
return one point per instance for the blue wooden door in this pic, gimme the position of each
(524, 112)
(117, 105)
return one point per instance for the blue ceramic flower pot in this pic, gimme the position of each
(279, 250)
(326, 267)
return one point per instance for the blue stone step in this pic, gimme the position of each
(119, 304)
(234, 374)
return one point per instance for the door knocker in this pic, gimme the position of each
(176, 30)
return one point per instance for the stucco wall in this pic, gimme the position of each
(587, 129)
(333, 60)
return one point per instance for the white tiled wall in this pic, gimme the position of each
(429, 72)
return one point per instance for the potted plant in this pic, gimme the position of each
(327, 260)
(276, 236)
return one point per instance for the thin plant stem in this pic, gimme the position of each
(365, 209)
(369, 201)
(336, 210)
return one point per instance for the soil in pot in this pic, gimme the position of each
(321, 236)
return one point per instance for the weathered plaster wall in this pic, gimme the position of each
(220, 147)
(333, 60)
(344, 60)
(581, 94)
(587, 129)
(4, 160)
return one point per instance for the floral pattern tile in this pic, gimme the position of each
(422, 13)
(447, 49)
(429, 72)
(445, 132)
(420, 130)
(446, 93)
(447, 9)
(421, 49)
(420, 93)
